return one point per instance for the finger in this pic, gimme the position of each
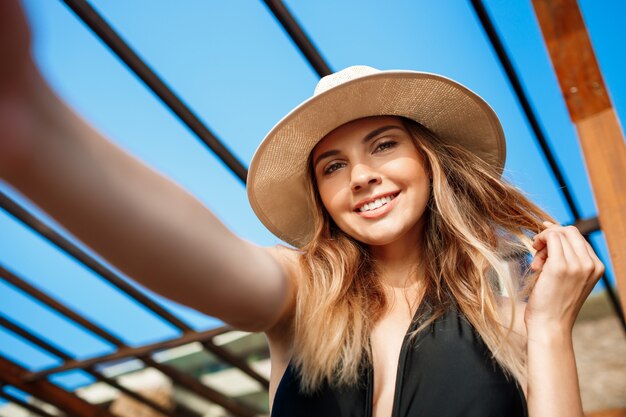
(580, 247)
(568, 252)
(539, 241)
(539, 259)
(599, 265)
(555, 248)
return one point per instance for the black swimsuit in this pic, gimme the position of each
(446, 372)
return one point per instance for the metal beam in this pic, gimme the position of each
(204, 338)
(25, 405)
(57, 306)
(516, 84)
(299, 37)
(128, 56)
(73, 405)
(65, 356)
(240, 363)
(126, 353)
(90, 262)
(62, 309)
(174, 374)
(204, 391)
(588, 226)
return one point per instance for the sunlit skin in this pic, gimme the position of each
(367, 158)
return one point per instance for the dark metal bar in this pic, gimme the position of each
(127, 352)
(20, 331)
(122, 352)
(65, 356)
(25, 405)
(509, 69)
(171, 372)
(174, 374)
(299, 37)
(134, 395)
(74, 251)
(199, 388)
(228, 357)
(114, 41)
(588, 226)
(516, 84)
(55, 305)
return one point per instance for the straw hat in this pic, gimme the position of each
(276, 178)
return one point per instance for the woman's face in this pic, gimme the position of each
(372, 180)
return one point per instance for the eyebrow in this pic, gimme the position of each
(366, 139)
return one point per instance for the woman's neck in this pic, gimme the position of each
(399, 264)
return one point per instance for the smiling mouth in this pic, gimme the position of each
(379, 202)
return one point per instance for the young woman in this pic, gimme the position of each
(401, 295)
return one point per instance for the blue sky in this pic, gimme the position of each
(232, 63)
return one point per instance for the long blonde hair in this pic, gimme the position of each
(475, 222)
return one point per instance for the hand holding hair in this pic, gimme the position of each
(568, 270)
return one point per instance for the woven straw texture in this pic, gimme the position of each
(277, 175)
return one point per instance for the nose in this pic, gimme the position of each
(363, 176)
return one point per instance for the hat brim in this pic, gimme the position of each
(276, 184)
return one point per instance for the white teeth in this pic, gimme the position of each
(379, 202)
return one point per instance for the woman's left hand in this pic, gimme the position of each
(569, 269)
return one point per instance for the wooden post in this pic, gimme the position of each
(591, 111)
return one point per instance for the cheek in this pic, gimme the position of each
(333, 198)
(407, 168)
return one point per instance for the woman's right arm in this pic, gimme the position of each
(138, 220)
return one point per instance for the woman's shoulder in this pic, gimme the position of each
(285, 255)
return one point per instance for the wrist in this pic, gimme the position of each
(549, 333)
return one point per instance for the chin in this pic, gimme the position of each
(386, 233)
(380, 238)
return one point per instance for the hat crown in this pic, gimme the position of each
(347, 74)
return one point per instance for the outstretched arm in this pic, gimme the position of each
(569, 270)
(141, 222)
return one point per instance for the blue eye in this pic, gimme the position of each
(333, 167)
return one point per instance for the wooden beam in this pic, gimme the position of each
(73, 405)
(589, 106)
(128, 352)
(572, 56)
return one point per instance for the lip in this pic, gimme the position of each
(380, 211)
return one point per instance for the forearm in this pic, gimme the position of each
(138, 220)
(553, 389)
